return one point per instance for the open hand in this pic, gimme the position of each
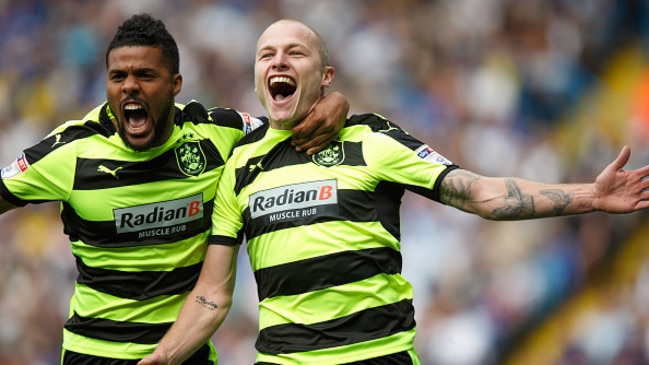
(621, 191)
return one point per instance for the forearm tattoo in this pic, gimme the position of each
(457, 187)
(517, 204)
(560, 199)
(205, 303)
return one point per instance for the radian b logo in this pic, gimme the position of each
(293, 198)
(191, 158)
(159, 215)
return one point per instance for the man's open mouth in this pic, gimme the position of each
(281, 87)
(136, 115)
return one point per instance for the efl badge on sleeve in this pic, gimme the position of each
(425, 152)
(19, 165)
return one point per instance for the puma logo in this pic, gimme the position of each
(58, 140)
(105, 169)
(390, 128)
(258, 165)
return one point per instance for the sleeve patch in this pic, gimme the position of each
(425, 152)
(16, 167)
(250, 123)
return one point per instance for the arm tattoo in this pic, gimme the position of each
(517, 204)
(456, 188)
(205, 303)
(560, 198)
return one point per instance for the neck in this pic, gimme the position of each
(283, 124)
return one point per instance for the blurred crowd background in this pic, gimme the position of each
(542, 89)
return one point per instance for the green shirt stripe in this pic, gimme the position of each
(347, 353)
(266, 255)
(91, 303)
(309, 308)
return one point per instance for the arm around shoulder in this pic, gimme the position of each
(322, 125)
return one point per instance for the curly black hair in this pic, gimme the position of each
(144, 30)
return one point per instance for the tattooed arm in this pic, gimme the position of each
(615, 191)
(510, 198)
(203, 311)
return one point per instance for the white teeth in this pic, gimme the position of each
(282, 79)
(132, 107)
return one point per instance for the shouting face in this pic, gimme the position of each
(140, 89)
(290, 74)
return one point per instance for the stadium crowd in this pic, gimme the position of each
(491, 84)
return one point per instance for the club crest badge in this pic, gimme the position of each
(332, 155)
(191, 158)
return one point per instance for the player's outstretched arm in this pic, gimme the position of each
(203, 311)
(615, 191)
(322, 124)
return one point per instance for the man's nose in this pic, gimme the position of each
(130, 85)
(280, 61)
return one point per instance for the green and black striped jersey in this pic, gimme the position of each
(138, 222)
(323, 237)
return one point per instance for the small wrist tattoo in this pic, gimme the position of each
(203, 301)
